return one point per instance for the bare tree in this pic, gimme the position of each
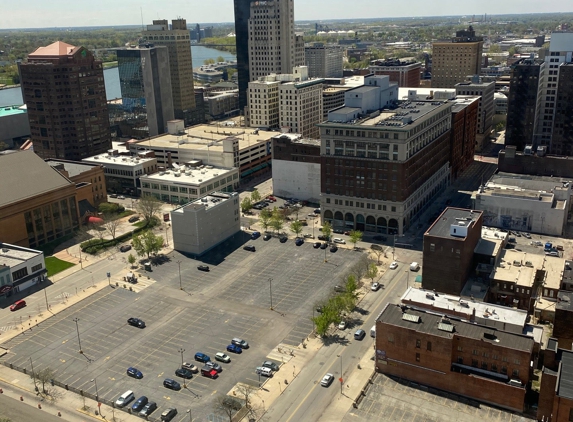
(378, 251)
(226, 406)
(111, 223)
(246, 392)
(44, 376)
(149, 207)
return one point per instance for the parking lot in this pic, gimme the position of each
(233, 299)
(390, 399)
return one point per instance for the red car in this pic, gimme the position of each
(18, 305)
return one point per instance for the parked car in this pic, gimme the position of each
(136, 322)
(283, 239)
(322, 237)
(375, 286)
(338, 231)
(298, 241)
(240, 342)
(168, 414)
(134, 372)
(414, 266)
(214, 366)
(222, 357)
(183, 373)
(255, 235)
(334, 248)
(148, 409)
(339, 289)
(265, 372)
(209, 372)
(393, 265)
(316, 245)
(347, 233)
(234, 349)
(317, 211)
(124, 248)
(249, 248)
(203, 267)
(113, 195)
(327, 380)
(324, 245)
(139, 403)
(552, 253)
(202, 357)
(124, 399)
(133, 218)
(171, 384)
(19, 304)
(308, 236)
(190, 367)
(121, 197)
(271, 365)
(339, 240)
(267, 237)
(527, 235)
(342, 325)
(359, 334)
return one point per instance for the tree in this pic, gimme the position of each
(44, 376)
(495, 48)
(246, 205)
(131, 259)
(147, 243)
(372, 271)
(265, 218)
(226, 405)
(378, 251)
(246, 392)
(277, 223)
(296, 227)
(208, 61)
(149, 207)
(111, 223)
(3, 146)
(327, 230)
(355, 237)
(255, 196)
(220, 59)
(110, 208)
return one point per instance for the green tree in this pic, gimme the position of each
(110, 208)
(327, 230)
(265, 217)
(372, 271)
(296, 227)
(255, 196)
(149, 207)
(208, 61)
(146, 243)
(495, 48)
(355, 237)
(277, 223)
(246, 205)
(220, 59)
(131, 259)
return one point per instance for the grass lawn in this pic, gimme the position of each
(55, 265)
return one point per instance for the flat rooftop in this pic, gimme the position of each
(448, 304)
(207, 201)
(554, 266)
(517, 267)
(434, 324)
(565, 382)
(12, 110)
(441, 227)
(565, 300)
(189, 175)
(11, 255)
(73, 168)
(123, 160)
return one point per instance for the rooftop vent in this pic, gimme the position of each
(490, 336)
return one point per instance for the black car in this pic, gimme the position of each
(124, 248)
(359, 335)
(317, 211)
(324, 245)
(203, 267)
(168, 414)
(139, 403)
(316, 245)
(323, 237)
(184, 373)
(283, 239)
(136, 322)
(267, 237)
(334, 248)
(338, 231)
(148, 409)
(249, 248)
(298, 241)
(133, 219)
(171, 384)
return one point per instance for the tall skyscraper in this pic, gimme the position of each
(178, 43)
(242, 15)
(454, 60)
(64, 91)
(145, 81)
(562, 140)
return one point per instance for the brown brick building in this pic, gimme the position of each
(449, 354)
(64, 91)
(404, 73)
(512, 161)
(556, 390)
(449, 246)
(463, 135)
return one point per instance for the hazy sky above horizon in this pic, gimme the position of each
(66, 13)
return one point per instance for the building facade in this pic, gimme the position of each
(536, 162)
(89, 177)
(23, 268)
(205, 223)
(264, 102)
(14, 125)
(562, 139)
(178, 45)
(64, 91)
(222, 104)
(324, 60)
(404, 73)
(242, 14)
(486, 107)
(463, 134)
(145, 80)
(452, 61)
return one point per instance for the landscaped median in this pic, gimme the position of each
(93, 246)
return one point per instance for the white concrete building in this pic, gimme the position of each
(486, 107)
(324, 60)
(183, 184)
(20, 268)
(264, 102)
(536, 204)
(205, 223)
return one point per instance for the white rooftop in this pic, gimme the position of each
(123, 160)
(189, 175)
(11, 255)
(207, 201)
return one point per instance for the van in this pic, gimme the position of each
(373, 331)
(125, 398)
(414, 266)
(264, 371)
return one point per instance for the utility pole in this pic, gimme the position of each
(180, 284)
(182, 350)
(78, 330)
(46, 295)
(271, 292)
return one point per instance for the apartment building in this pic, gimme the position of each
(406, 73)
(324, 60)
(562, 139)
(486, 107)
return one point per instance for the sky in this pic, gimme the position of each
(73, 13)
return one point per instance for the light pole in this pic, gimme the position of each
(407, 279)
(181, 350)
(94, 380)
(313, 224)
(271, 292)
(33, 374)
(46, 295)
(190, 415)
(180, 285)
(78, 330)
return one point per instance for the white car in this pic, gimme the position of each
(375, 287)
(339, 240)
(327, 380)
(222, 357)
(414, 266)
(393, 265)
(342, 325)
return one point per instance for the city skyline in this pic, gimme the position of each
(60, 13)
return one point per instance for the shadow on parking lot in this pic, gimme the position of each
(220, 252)
(10, 297)
(336, 338)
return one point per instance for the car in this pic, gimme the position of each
(347, 233)
(214, 366)
(240, 342)
(124, 399)
(183, 373)
(133, 219)
(202, 357)
(121, 197)
(265, 372)
(342, 325)
(322, 237)
(359, 334)
(124, 248)
(203, 267)
(271, 365)
(222, 357)
(324, 245)
(19, 304)
(338, 231)
(134, 372)
(380, 238)
(393, 265)
(136, 322)
(414, 266)
(339, 240)
(308, 236)
(168, 414)
(283, 239)
(334, 248)
(171, 384)
(552, 253)
(327, 380)
(190, 367)
(113, 195)
(249, 248)
(527, 235)
(339, 289)
(316, 245)
(234, 349)
(511, 239)
(267, 237)
(255, 235)
(139, 403)
(375, 286)
(148, 409)
(317, 211)
(298, 241)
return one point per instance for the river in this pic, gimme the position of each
(13, 96)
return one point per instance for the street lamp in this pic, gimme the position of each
(180, 285)
(33, 374)
(271, 292)
(97, 394)
(78, 330)
(190, 415)
(181, 350)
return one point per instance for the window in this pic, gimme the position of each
(484, 365)
(429, 346)
(418, 343)
(36, 268)
(475, 352)
(460, 349)
(391, 338)
(515, 373)
(474, 363)
(417, 357)
(432, 247)
(504, 370)
(494, 367)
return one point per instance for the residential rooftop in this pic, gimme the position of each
(189, 175)
(453, 216)
(12, 255)
(517, 267)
